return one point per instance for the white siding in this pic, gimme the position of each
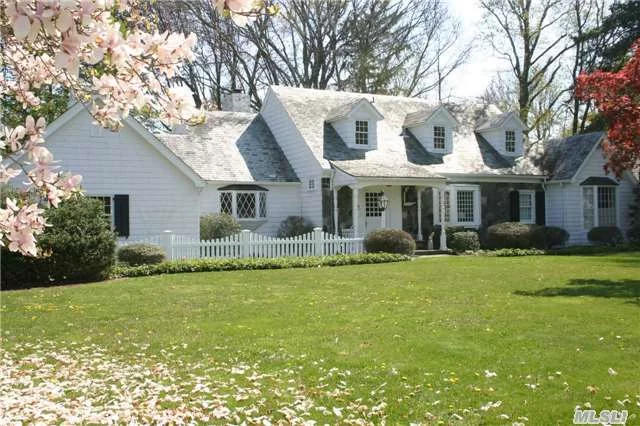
(346, 128)
(160, 196)
(282, 201)
(496, 137)
(424, 133)
(564, 202)
(297, 152)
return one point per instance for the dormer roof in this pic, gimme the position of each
(343, 111)
(497, 121)
(420, 117)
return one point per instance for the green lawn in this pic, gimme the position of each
(466, 340)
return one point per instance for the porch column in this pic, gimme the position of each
(443, 233)
(419, 195)
(336, 227)
(354, 211)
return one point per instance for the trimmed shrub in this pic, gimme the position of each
(450, 230)
(390, 241)
(293, 226)
(546, 237)
(510, 235)
(633, 234)
(465, 241)
(214, 265)
(213, 226)
(141, 254)
(606, 235)
(79, 246)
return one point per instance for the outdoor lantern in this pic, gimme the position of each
(383, 202)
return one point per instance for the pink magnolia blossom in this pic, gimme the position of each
(46, 42)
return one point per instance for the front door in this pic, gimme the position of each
(373, 215)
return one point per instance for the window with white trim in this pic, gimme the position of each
(465, 206)
(362, 132)
(438, 137)
(461, 205)
(510, 141)
(527, 206)
(311, 184)
(244, 205)
(599, 207)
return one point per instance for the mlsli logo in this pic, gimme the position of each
(606, 417)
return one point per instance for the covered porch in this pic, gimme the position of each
(360, 205)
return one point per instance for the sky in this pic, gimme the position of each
(472, 78)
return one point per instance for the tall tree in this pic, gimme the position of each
(616, 94)
(531, 36)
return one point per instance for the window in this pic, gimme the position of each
(510, 141)
(599, 206)
(106, 202)
(245, 205)
(372, 208)
(447, 205)
(527, 206)
(461, 205)
(438, 137)
(362, 132)
(311, 185)
(465, 206)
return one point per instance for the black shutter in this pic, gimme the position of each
(121, 214)
(540, 213)
(514, 203)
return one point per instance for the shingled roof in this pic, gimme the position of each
(398, 154)
(563, 157)
(231, 146)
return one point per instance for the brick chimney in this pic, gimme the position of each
(236, 101)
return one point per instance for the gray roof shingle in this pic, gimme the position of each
(563, 157)
(398, 153)
(231, 146)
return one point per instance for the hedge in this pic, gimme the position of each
(510, 235)
(465, 241)
(607, 235)
(546, 237)
(389, 241)
(213, 226)
(141, 254)
(293, 226)
(79, 246)
(214, 265)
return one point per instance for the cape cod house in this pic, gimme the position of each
(348, 162)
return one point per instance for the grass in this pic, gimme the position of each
(424, 337)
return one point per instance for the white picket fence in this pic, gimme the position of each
(250, 244)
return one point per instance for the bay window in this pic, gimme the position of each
(244, 202)
(599, 207)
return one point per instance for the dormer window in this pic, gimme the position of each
(510, 141)
(438, 137)
(362, 132)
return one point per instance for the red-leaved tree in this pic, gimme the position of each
(617, 97)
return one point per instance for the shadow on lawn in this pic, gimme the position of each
(621, 289)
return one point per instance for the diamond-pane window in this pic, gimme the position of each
(246, 205)
(263, 204)
(226, 203)
(465, 206)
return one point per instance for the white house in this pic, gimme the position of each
(349, 162)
